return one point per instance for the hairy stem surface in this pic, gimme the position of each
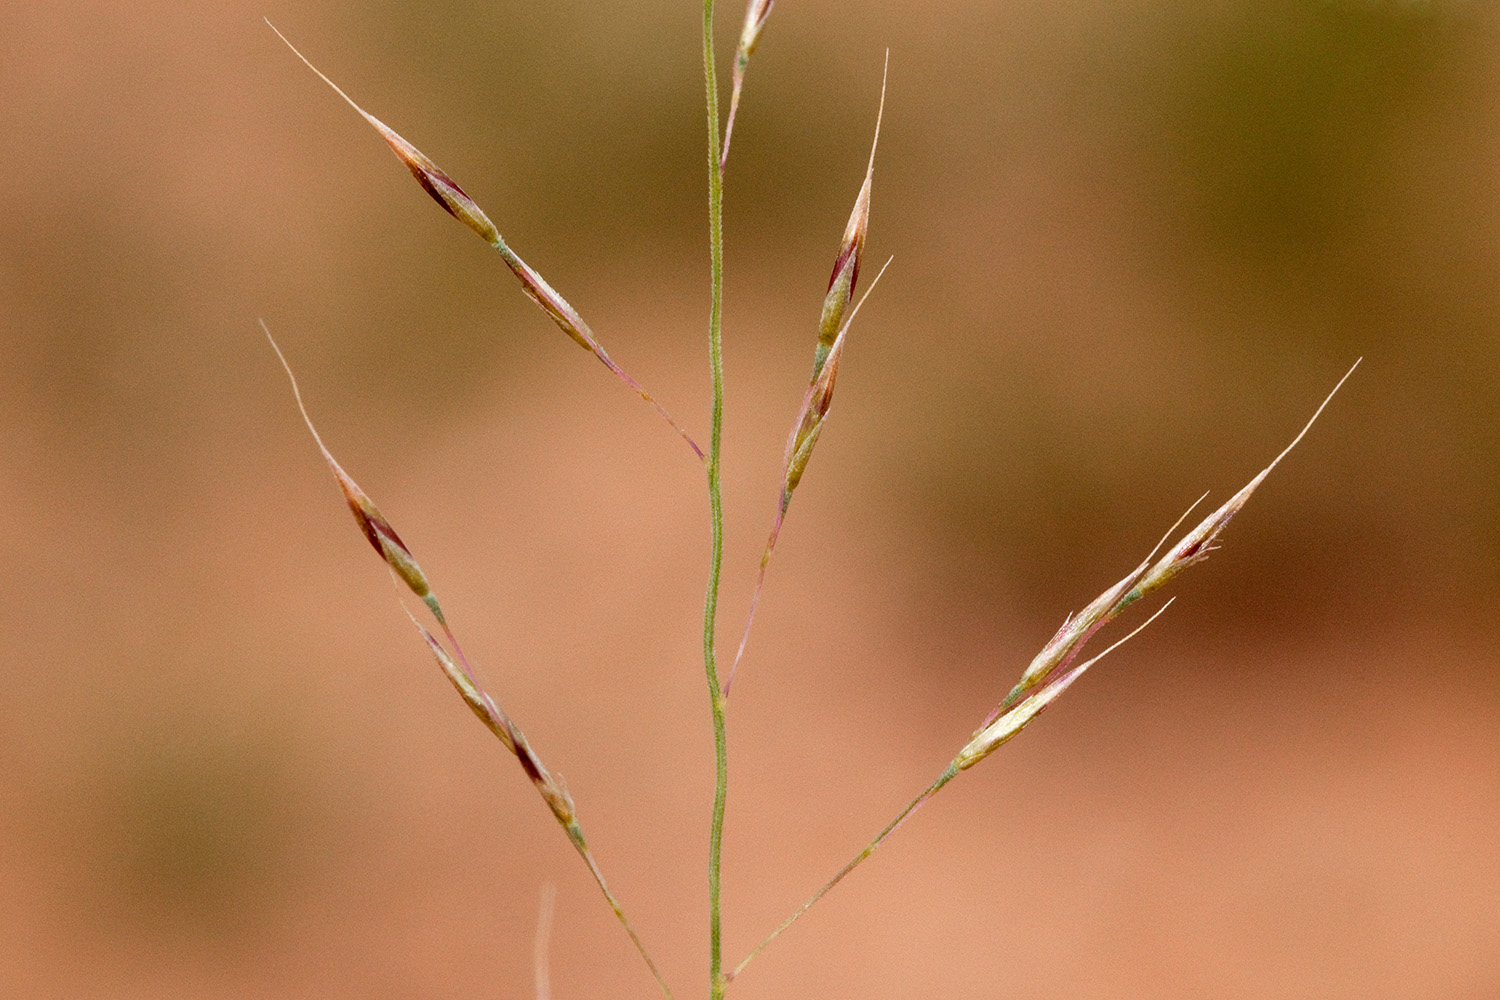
(716, 979)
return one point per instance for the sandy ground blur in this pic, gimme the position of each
(1135, 244)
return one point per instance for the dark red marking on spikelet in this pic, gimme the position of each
(365, 523)
(427, 177)
(390, 535)
(825, 401)
(845, 252)
(529, 763)
(429, 187)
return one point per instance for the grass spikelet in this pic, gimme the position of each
(1198, 543)
(815, 406)
(445, 191)
(845, 276)
(382, 537)
(1052, 671)
(806, 429)
(756, 12)
(478, 700)
(455, 666)
(1003, 728)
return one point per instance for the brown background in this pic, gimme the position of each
(1135, 243)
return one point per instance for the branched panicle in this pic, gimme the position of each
(1054, 669)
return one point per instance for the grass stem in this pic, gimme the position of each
(716, 979)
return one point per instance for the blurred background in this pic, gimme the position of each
(1135, 244)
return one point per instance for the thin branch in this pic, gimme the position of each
(891, 828)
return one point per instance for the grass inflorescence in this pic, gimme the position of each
(1055, 668)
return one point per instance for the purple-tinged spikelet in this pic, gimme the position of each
(484, 707)
(373, 524)
(480, 703)
(1051, 671)
(815, 405)
(845, 276)
(1195, 546)
(1004, 725)
(756, 12)
(1077, 630)
(445, 191)
(382, 536)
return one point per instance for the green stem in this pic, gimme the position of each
(716, 979)
(933, 789)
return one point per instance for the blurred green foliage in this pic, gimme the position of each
(1284, 116)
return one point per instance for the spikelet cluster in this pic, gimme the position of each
(403, 565)
(1053, 670)
(833, 328)
(833, 325)
(456, 202)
